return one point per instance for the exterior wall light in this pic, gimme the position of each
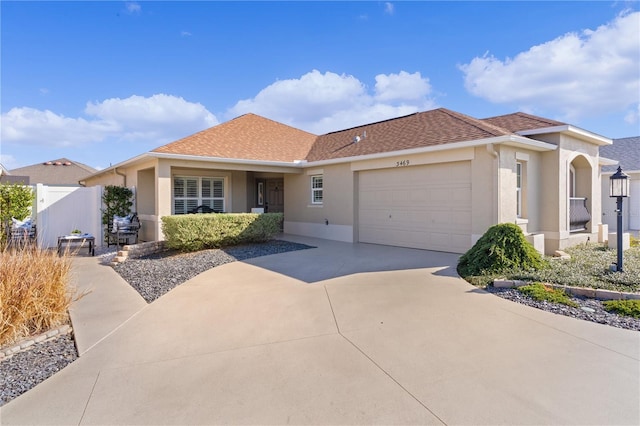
(619, 189)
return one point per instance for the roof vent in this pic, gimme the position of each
(66, 163)
(358, 138)
(47, 163)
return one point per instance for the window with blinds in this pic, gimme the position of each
(191, 192)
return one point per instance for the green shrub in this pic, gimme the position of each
(503, 247)
(117, 201)
(192, 232)
(540, 292)
(630, 308)
(16, 201)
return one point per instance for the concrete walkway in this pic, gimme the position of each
(339, 334)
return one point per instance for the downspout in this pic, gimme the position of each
(124, 176)
(496, 182)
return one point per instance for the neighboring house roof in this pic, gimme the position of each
(55, 172)
(519, 121)
(248, 137)
(626, 151)
(423, 129)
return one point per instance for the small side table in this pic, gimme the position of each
(74, 239)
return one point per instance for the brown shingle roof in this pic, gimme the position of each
(436, 127)
(520, 121)
(248, 137)
(55, 172)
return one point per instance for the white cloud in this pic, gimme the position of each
(159, 117)
(185, 34)
(389, 8)
(633, 116)
(321, 103)
(9, 161)
(401, 86)
(575, 75)
(133, 7)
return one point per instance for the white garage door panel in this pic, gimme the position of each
(634, 204)
(426, 207)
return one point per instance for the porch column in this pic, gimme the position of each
(163, 195)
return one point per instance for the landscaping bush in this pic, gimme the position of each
(630, 308)
(34, 292)
(16, 201)
(117, 201)
(503, 247)
(540, 292)
(193, 232)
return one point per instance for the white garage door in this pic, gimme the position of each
(426, 207)
(634, 204)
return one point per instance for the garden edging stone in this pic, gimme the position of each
(592, 293)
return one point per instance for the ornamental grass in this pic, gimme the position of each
(34, 292)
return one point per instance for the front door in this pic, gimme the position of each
(275, 196)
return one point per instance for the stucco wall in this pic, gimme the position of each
(333, 218)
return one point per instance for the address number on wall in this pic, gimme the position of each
(402, 163)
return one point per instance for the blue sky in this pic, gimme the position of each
(100, 82)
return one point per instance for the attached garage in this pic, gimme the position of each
(425, 207)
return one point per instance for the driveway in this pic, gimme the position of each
(341, 334)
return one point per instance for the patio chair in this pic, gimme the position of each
(203, 209)
(21, 233)
(122, 229)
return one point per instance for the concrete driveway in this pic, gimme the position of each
(339, 334)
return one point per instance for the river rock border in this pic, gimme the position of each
(592, 293)
(27, 343)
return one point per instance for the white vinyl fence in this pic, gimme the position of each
(62, 209)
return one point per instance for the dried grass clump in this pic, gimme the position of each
(34, 292)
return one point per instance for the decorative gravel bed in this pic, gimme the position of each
(156, 274)
(588, 310)
(24, 370)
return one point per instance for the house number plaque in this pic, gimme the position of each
(402, 163)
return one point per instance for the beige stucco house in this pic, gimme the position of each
(433, 180)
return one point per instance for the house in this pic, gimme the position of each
(55, 172)
(7, 177)
(432, 180)
(626, 153)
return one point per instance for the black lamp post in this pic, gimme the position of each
(620, 189)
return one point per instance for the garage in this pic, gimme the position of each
(426, 207)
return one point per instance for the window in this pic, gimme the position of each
(191, 192)
(519, 189)
(316, 189)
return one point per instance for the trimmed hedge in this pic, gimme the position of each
(503, 247)
(192, 232)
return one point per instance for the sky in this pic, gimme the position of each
(100, 82)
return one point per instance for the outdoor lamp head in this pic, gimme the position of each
(619, 184)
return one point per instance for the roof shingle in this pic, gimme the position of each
(519, 121)
(248, 137)
(436, 127)
(624, 150)
(55, 172)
